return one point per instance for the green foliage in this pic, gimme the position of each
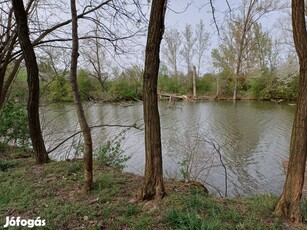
(6, 164)
(30, 189)
(184, 169)
(304, 207)
(205, 85)
(174, 84)
(60, 90)
(85, 84)
(288, 89)
(74, 167)
(123, 89)
(106, 187)
(178, 219)
(14, 124)
(20, 86)
(268, 86)
(264, 87)
(132, 210)
(128, 85)
(111, 154)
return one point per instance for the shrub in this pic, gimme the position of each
(14, 124)
(60, 90)
(264, 87)
(6, 164)
(123, 89)
(86, 86)
(205, 85)
(175, 84)
(112, 155)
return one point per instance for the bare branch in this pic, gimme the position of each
(93, 127)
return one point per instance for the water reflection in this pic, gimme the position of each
(253, 138)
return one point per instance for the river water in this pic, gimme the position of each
(246, 141)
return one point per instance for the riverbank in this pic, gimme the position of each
(52, 192)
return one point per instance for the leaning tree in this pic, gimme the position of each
(36, 136)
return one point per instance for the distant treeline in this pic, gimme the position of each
(128, 86)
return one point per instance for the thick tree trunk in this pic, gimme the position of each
(288, 204)
(33, 82)
(86, 131)
(153, 187)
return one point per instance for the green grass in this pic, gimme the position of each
(53, 192)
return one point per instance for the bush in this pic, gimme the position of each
(14, 124)
(60, 90)
(264, 87)
(205, 85)
(179, 85)
(86, 86)
(111, 154)
(123, 89)
(288, 89)
(269, 86)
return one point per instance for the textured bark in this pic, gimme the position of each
(288, 204)
(33, 82)
(88, 146)
(153, 187)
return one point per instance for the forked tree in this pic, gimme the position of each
(288, 204)
(38, 144)
(153, 187)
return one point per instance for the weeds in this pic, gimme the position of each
(111, 153)
(51, 192)
(6, 164)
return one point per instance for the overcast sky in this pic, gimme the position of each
(182, 12)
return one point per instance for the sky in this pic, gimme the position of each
(182, 12)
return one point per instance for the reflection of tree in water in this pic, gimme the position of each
(237, 129)
(252, 131)
(253, 138)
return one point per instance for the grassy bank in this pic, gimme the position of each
(51, 191)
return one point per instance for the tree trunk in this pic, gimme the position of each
(234, 97)
(33, 82)
(288, 204)
(153, 187)
(88, 146)
(194, 82)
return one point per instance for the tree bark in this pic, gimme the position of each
(33, 82)
(153, 187)
(194, 82)
(288, 204)
(86, 131)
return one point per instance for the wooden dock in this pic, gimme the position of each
(304, 194)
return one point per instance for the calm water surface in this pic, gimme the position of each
(251, 138)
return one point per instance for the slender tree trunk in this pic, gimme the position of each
(33, 82)
(234, 97)
(153, 187)
(6, 86)
(194, 82)
(288, 204)
(88, 146)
